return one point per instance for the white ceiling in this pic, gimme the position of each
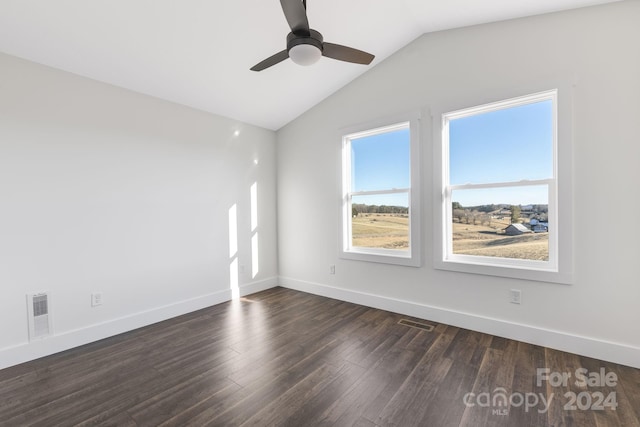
(198, 52)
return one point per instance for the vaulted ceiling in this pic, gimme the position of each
(198, 52)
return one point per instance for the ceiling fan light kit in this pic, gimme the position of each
(305, 54)
(305, 46)
(305, 50)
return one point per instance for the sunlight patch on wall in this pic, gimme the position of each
(255, 258)
(254, 206)
(255, 264)
(233, 252)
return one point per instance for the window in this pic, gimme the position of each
(500, 188)
(380, 213)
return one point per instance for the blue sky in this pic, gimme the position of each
(502, 146)
(499, 146)
(374, 166)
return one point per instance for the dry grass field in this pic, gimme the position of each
(483, 240)
(391, 231)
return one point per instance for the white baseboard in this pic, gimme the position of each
(262, 285)
(27, 351)
(585, 346)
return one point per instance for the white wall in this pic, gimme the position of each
(593, 48)
(105, 190)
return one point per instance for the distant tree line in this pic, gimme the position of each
(493, 207)
(482, 214)
(362, 209)
(469, 216)
(539, 209)
(481, 208)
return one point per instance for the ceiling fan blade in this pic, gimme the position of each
(348, 54)
(296, 14)
(272, 60)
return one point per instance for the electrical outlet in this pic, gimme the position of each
(96, 299)
(516, 296)
(332, 269)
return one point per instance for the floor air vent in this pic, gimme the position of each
(39, 316)
(417, 325)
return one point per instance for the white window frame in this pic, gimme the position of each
(559, 266)
(412, 256)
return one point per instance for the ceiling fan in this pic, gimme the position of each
(305, 46)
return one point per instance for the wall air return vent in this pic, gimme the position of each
(38, 308)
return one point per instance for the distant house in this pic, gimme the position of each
(540, 227)
(516, 229)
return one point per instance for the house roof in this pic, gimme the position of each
(198, 53)
(519, 227)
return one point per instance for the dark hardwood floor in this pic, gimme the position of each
(286, 358)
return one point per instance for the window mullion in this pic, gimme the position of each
(523, 183)
(379, 192)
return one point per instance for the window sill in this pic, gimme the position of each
(539, 274)
(382, 256)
